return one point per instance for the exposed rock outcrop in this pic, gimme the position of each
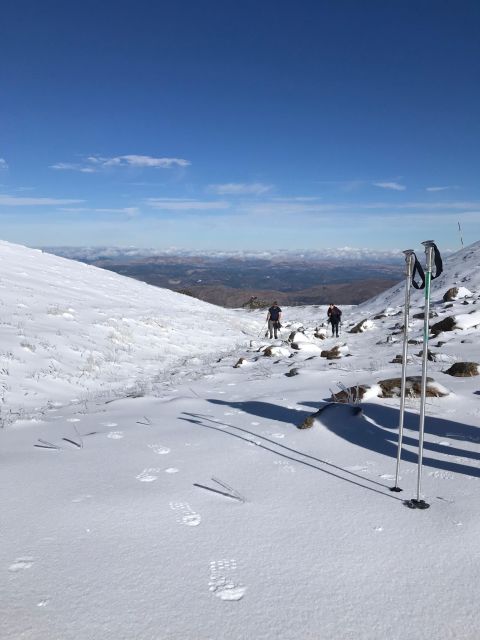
(463, 369)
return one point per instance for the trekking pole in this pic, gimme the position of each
(409, 263)
(263, 328)
(430, 251)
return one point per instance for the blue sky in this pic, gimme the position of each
(240, 125)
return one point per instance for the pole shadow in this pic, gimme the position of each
(285, 452)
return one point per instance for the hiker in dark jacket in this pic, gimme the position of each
(273, 318)
(334, 317)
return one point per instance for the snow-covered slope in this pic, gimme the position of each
(72, 332)
(461, 269)
(199, 511)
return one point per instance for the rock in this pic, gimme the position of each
(450, 295)
(293, 372)
(239, 363)
(362, 326)
(353, 394)
(430, 355)
(455, 293)
(463, 369)
(421, 315)
(391, 388)
(307, 423)
(273, 350)
(399, 359)
(297, 336)
(447, 324)
(335, 352)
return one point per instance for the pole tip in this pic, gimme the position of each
(428, 243)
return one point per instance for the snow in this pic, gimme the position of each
(151, 490)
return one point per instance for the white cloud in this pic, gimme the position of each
(3, 164)
(439, 188)
(129, 211)
(240, 188)
(185, 204)
(69, 166)
(15, 201)
(395, 186)
(94, 164)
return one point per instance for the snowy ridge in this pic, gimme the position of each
(461, 269)
(83, 332)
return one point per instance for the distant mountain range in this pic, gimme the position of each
(230, 279)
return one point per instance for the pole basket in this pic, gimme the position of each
(396, 489)
(416, 504)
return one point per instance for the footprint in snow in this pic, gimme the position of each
(115, 435)
(159, 449)
(148, 475)
(172, 470)
(20, 564)
(185, 514)
(223, 582)
(82, 498)
(285, 466)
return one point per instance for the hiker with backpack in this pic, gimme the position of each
(273, 318)
(334, 317)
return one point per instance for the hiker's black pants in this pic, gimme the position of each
(335, 324)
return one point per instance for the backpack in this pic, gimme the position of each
(274, 313)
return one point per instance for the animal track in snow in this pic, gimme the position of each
(185, 514)
(115, 435)
(20, 564)
(148, 475)
(223, 582)
(158, 448)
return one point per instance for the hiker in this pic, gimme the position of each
(334, 317)
(273, 318)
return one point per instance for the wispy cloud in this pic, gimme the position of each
(3, 164)
(128, 211)
(69, 166)
(95, 163)
(16, 201)
(344, 185)
(440, 188)
(394, 186)
(240, 188)
(185, 204)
